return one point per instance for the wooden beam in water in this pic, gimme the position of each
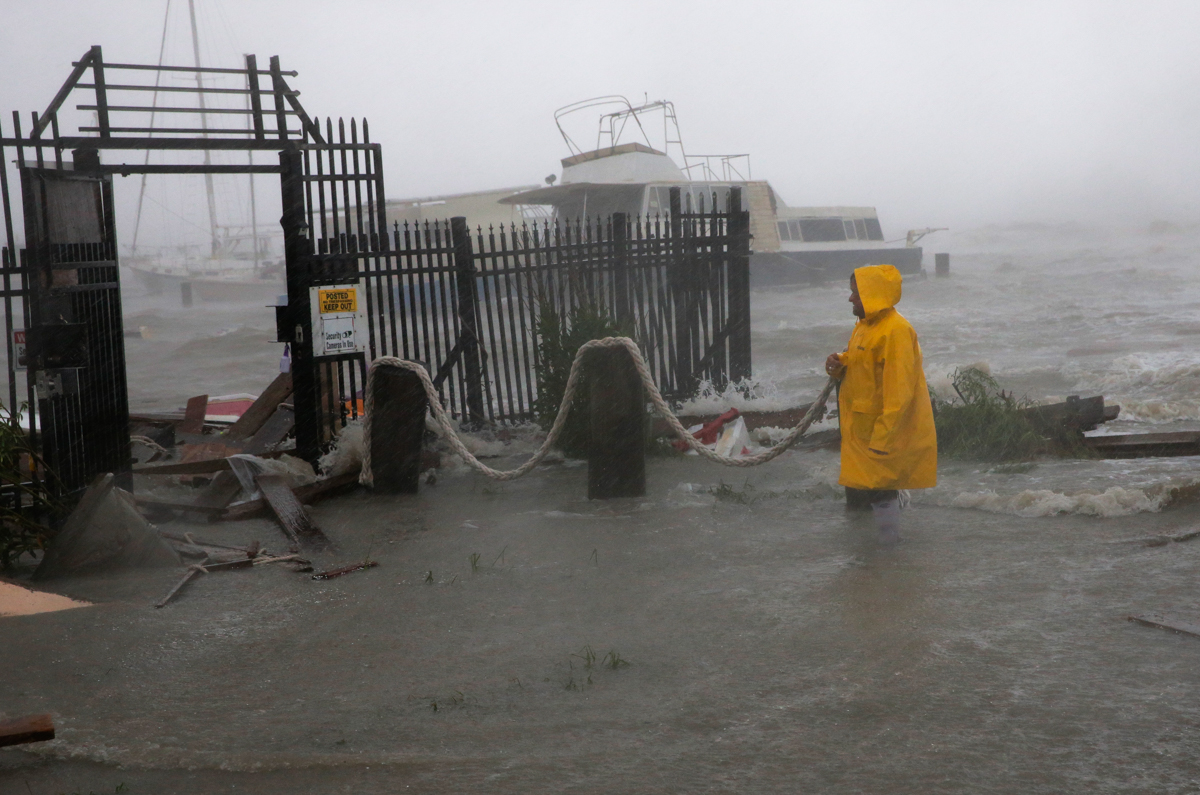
(1166, 622)
(313, 492)
(30, 729)
(290, 513)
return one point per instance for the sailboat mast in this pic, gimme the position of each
(208, 180)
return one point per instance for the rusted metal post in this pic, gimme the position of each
(617, 452)
(464, 275)
(739, 287)
(399, 404)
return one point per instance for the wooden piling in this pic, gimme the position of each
(941, 264)
(398, 411)
(617, 453)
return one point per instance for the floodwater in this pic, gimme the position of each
(771, 646)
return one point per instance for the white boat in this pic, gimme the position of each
(790, 244)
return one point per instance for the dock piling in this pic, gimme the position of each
(617, 451)
(399, 404)
(941, 264)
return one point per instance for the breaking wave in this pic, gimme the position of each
(1113, 501)
(1152, 411)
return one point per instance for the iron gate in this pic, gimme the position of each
(75, 333)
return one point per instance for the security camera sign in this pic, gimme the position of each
(337, 334)
(337, 320)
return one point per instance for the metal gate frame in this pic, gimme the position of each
(277, 123)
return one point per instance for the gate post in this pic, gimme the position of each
(468, 306)
(297, 246)
(398, 406)
(738, 230)
(617, 448)
(620, 268)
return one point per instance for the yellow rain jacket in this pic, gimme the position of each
(888, 437)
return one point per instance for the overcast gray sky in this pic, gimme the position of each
(938, 113)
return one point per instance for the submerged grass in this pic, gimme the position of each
(988, 424)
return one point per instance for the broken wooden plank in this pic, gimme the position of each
(273, 431)
(188, 538)
(281, 559)
(30, 729)
(200, 467)
(191, 572)
(290, 512)
(263, 408)
(224, 487)
(149, 502)
(1081, 414)
(193, 415)
(331, 573)
(1145, 445)
(309, 494)
(1166, 622)
(228, 565)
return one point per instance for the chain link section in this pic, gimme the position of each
(442, 418)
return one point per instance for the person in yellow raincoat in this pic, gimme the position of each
(888, 438)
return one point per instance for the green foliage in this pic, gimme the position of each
(28, 528)
(988, 424)
(559, 338)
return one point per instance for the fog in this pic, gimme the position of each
(937, 113)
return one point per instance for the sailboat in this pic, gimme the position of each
(242, 262)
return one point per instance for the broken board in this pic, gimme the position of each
(193, 415)
(1145, 445)
(1166, 622)
(262, 410)
(273, 431)
(313, 492)
(290, 512)
(30, 729)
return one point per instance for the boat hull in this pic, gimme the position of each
(770, 268)
(212, 289)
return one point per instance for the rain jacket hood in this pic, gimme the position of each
(878, 287)
(888, 436)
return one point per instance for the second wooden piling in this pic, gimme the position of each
(617, 451)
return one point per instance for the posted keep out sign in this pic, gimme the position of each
(336, 320)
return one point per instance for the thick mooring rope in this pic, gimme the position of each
(660, 405)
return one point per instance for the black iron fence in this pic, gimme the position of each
(466, 303)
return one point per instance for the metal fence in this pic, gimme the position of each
(466, 303)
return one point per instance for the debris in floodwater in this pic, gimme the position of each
(30, 729)
(329, 575)
(1164, 622)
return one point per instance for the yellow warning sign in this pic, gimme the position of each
(338, 301)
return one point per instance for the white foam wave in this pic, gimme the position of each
(759, 394)
(1152, 372)
(1152, 411)
(1114, 501)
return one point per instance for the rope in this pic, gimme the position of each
(148, 442)
(442, 418)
